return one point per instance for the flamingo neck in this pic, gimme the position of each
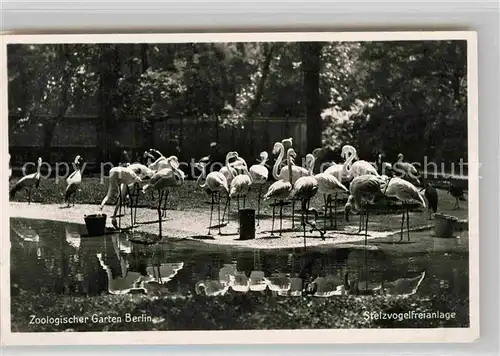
(198, 181)
(290, 170)
(351, 156)
(311, 165)
(278, 162)
(231, 176)
(39, 165)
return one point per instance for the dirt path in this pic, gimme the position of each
(193, 225)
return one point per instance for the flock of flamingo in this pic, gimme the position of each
(360, 180)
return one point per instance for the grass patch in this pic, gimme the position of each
(233, 312)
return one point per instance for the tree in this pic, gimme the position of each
(311, 67)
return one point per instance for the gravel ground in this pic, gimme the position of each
(193, 225)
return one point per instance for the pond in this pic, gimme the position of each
(52, 257)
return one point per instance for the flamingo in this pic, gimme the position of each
(359, 167)
(164, 162)
(211, 287)
(285, 172)
(287, 143)
(215, 182)
(28, 182)
(240, 186)
(304, 189)
(144, 173)
(73, 181)
(162, 181)
(259, 174)
(328, 184)
(406, 170)
(117, 177)
(363, 189)
(280, 190)
(383, 168)
(230, 171)
(351, 167)
(405, 192)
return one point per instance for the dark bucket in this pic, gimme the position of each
(96, 224)
(247, 224)
(444, 225)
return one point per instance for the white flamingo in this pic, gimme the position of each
(28, 182)
(406, 170)
(284, 173)
(144, 173)
(120, 178)
(328, 185)
(406, 193)
(259, 174)
(215, 182)
(239, 187)
(162, 181)
(73, 181)
(280, 190)
(304, 189)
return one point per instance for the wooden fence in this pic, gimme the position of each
(185, 137)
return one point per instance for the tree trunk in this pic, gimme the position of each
(108, 82)
(49, 126)
(311, 66)
(147, 127)
(266, 65)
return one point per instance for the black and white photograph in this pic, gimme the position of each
(312, 184)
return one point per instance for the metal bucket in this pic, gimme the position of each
(444, 225)
(96, 224)
(247, 224)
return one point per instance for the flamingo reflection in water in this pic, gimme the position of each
(124, 283)
(279, 283)
(213, 287)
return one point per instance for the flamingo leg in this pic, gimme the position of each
(131, 207)
(360, 220)
(304, 219)
(227, 208)
(166, 193)
(120, 202)
(211, 213)
(136, 201)
(258, 205)
(274, 210)
(293, 213)
(335, 213)
(29, 196)
(326, 212)
(160, 197)
(402, 223)
(218, 211)
(408, 222)
(281, 219)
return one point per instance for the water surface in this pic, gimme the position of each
(52, 257)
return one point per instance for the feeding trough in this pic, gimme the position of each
(96, 224)
(444, 225)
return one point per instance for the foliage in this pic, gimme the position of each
(389, 97)
(232, 312)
